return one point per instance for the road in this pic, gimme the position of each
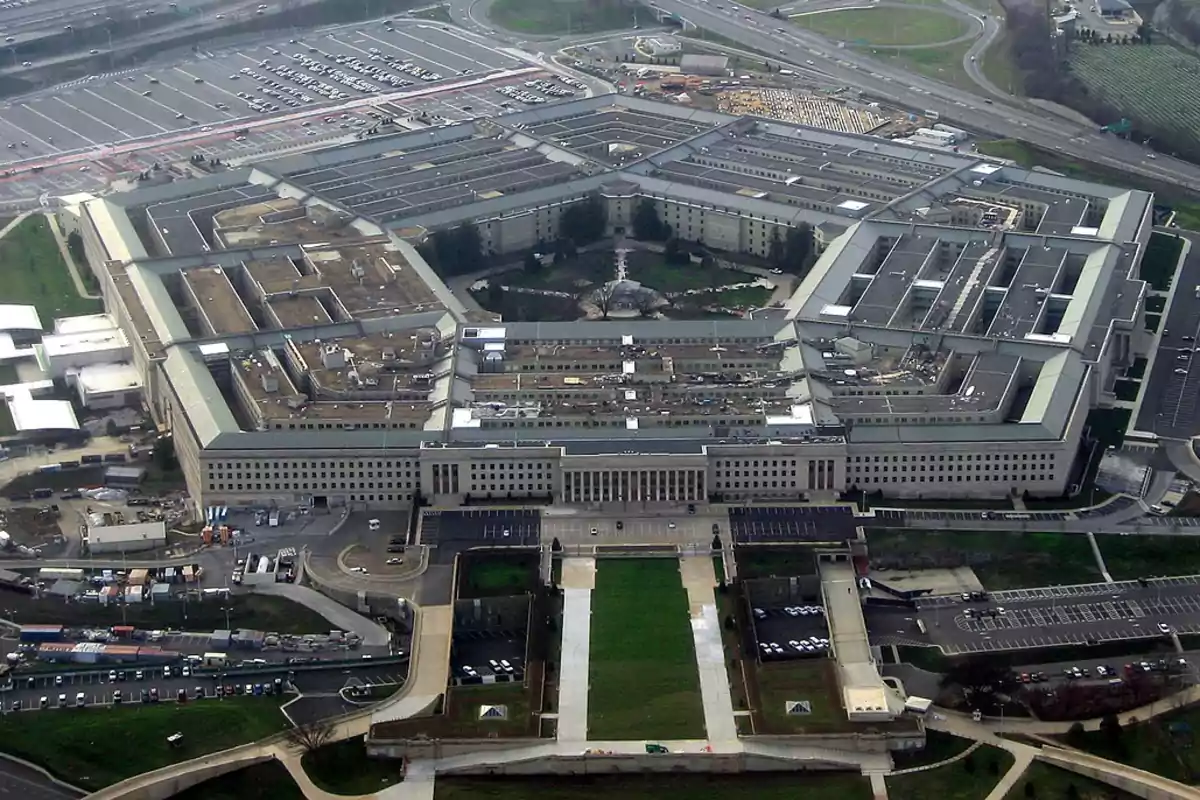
(754, 29)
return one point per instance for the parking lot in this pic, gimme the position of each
(98, 687)
(792, 524)
(1169, 408)
(1054, 615)
(286, 77)
(684, 529)
(801, 623)
(474, 651)
(483, 526)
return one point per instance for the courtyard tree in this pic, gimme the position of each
(646, 303)
(310, 736)
(532, 264)
(979, 679)
(798, 249)
(646, 222)
(776, 252)
(585, 222)
(454, 251)
(495, 294)
(602, 298)
(676, 252)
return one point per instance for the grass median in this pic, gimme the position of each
(99, 746)
(970, 778)
(759, 786)
(644, 682)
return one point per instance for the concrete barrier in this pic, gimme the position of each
(1128, 779)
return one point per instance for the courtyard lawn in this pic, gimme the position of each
(1160, 260)
(1164, 745)
(1000, 560)
(344, 768)
(651, 269)
(643, 681)
(32, 272)
(497, 575)
(807, 679)
(1053, 782)
(885, 26)
(969, 778)
(682, 786)
(266, 781)
(96, 747)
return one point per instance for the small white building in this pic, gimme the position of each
(126, 538)
(65, 353)
(108, 385)
(660, 46)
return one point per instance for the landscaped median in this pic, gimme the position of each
(643, 681)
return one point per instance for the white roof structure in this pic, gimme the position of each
(120, 534)
(84, 323)
(19, 318)
(95, 341)
(41, 415)
(10, 352)
(108, 378)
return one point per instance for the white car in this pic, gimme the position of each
(394, 561)
(1164, 628)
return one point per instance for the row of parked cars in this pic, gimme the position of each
(501, 667)
(812, 646)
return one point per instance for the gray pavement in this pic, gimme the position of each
(19, 782)
(578, 580)
(217, 91)
(1045, 617)
(372, 633)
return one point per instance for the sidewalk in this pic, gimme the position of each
(699, 579)
(578, 580)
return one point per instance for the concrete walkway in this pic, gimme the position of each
(68, 259)
(699, 580)
(1021, 762)
(372, 633)
(578, 580)
(429, 666)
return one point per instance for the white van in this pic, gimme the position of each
(373, 524)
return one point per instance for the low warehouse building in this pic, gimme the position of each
(704, 65)
(126, 538)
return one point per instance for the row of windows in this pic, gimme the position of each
(305, 474)
(314, 486)
(952, 457)
(317, 464)
(957, 479)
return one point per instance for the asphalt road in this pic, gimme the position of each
(1043, 617)
(18, 782)
(1169, 408)
(758, 30)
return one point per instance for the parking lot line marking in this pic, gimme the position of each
(53, 121)
(125, 110)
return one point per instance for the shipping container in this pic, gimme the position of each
(41, 633)
(214, 659)
(122, 631)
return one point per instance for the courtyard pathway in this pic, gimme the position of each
(699, 580)
(578, 580)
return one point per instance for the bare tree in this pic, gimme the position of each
(602, 298)
(646, 304)
(310, 736)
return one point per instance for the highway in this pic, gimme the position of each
(757, 30)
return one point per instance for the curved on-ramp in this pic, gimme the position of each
(427, 680)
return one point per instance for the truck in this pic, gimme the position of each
(273, 519)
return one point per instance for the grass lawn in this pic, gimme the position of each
(764, 561)
(1000, 560)
(1164, 745)
(96, 747)
(969, 778)
(439, 13)
(266, 781)
(8, 374)
(495, 575)
(7, 426)
(938, 747)
(998, 67)
(806, 679)
(570, 17)
(940, 63)
(1053, 782)
(344, 768)
(461, 716)
(682, 786)
(1132, 557)
(33, 272)
(643, 678)
(651, 269)
(260, 612)
(745, 297)
(1159, 261)
(884, 25)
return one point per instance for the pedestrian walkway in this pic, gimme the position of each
(578, 580)
(1021, 761)
(699, 580)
